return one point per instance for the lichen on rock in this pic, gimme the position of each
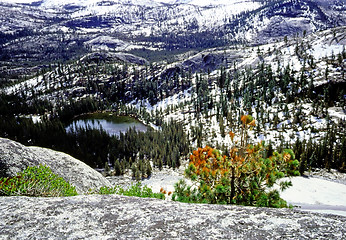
(120, 217)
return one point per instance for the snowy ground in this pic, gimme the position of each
(166, 178)
(318, 191)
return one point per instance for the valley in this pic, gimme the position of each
(189, 70)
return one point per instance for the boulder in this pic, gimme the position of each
(15, 157)
(120, 217)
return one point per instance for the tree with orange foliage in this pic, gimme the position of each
(242, 177)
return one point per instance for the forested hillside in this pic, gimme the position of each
(190, 87)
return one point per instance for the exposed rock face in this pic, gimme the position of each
(201, 62)
(119, 217)
(109, 56)
(15, 157)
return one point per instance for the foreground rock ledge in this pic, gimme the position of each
(119, 217)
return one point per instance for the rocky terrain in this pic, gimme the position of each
(118, 217)
(15, 157)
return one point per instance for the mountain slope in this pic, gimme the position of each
(271, 60)
(50, 30)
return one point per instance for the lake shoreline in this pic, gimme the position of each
(112, 123)
(134, 116)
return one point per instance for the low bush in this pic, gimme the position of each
(38, 181)
(136, 190)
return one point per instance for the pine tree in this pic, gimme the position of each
(222, 127)
(148, 169)
(117, 168)
(107, 169)
(134, 169)
(137, 174)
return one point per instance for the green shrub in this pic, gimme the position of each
(136, 190)
(37, 181)
(243, 177)
(185, 193)
(236, 179)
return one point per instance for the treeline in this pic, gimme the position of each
(13, 105)
(120, 82)
(191, 40)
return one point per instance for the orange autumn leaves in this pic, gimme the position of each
(238, 178)
(207, 163)
(243, 175)
(231, 134)
(248, 120)
(210, 166)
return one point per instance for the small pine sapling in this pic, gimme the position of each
(242, 177)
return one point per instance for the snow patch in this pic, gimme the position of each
(323, 50)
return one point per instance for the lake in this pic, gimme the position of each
(112, 124)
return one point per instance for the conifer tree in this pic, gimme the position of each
(117, 168)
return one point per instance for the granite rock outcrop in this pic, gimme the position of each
(15, 157)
